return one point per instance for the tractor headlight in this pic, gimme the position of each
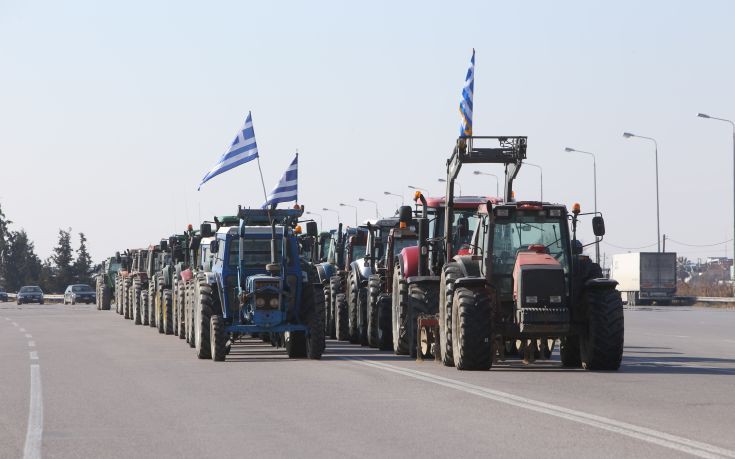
(260, 301)
(273, 302)
(531, 299)
(555, 299)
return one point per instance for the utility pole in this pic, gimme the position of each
(664, 243)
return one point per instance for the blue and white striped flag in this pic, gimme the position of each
(242, 150)
(288, 187)
(465, 105)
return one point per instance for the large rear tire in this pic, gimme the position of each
(135, 299)
(204, 307)
(422, 299)
(399, 316)
(166, 303)
(329, 329)
(569, 352)
(353, 291)
(314, 319)
(218, 338)
(336, 287)
(189, 306)
(603, 341)
(472, 313)
(106, 298)
(450, 273)
(144, 307)
(341, 317)
(374, 290)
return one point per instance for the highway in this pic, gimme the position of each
(77, 382)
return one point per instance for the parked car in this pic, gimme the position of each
(79, 293)
(3, 295)
(30, 294)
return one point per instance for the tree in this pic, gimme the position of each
(63, 262)
(4, 244)
(24, 266)
(83, 264)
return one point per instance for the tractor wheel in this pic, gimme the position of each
(144, 307)
(472, 329)
(158, 304)
(374, 284)
(152, 291)
(295, 344)
(353, 291)
(602, 342)
(179, 325)
(175, 308)
(204, 306)
(125, 301)
(422, 299)
(450, 273)
(335, 288)
(106, 298)
(341, 317)
(385, 324)
(328, 325)
(98, 293)
(362, 320)
(570, 352)
(184, 309)
(218, 338)
(189, 312)
(399, 315)
(314, 320)
(135, 299)
(166, 300)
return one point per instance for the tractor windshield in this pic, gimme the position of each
(358, 251)
(402, 243)
(256, 252)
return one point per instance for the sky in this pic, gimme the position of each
(111, 113)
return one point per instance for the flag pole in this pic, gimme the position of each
(262, 182)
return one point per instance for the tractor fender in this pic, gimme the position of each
(469, 267)
(209, 277)
(600, 283)
(362, 271)
(325, 272)
(409, 261)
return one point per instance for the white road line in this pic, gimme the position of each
(31, 344)
(22, 330)
(34, 355)
(28, 335)
(666, 440)
(15, 324)
(34, 434)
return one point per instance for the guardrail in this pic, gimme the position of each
(715, 299)
(50, 296)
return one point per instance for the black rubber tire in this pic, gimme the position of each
(450, 273)
(218, 338)
(126, 300)
(362, 320)
(106, 297)
(353, 291)
(144, 307)
(175, 308)
(569, 352)
(399, 315)
(190, 313)
(135, 299)
(472, 314)
(375, 285)
(177, 318)
(335, 288)
(166, 302)
(98, 292)
(385, 324)
(314, 319)
(204, 307)
(328, 322)
(422, 299)
(602, 343)
(341, 317)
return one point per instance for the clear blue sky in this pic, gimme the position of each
(112, 113)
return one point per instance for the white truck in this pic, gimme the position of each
(645, 277)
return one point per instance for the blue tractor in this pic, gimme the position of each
(259, 285)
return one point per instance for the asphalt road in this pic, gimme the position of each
(77, 382)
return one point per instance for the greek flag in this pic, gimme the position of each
(242, 150)
(288, 187)
(465, 105)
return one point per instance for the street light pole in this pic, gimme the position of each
(541, 170)
(594, 175)
(354, 207)
(628, 135)
(459, 187)
(374, 203)
(321, 226)
(419, 188)
(388, 193)
(497, 181)
(732, 123)
(335, 211)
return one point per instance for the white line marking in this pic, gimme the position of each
(666, 440)
(32, 449)
(31, 344)
(34, 355)
(22, 330)
(28, 335)
(15, 324)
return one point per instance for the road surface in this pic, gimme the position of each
(77, 382)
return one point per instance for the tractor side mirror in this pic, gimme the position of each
(598, 226)
(405, 214)
(205, 230)
(214, 246)
(463, 227)
(164, 245)
(311, 229)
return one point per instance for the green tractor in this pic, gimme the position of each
(106, 280)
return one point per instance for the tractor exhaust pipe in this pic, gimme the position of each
(273, 267)
(423, 230)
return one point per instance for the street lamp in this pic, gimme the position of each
(336, 212)
(321, 226)
(732, 123)
(542, 177)
(497, 181)
(594, 175)
(388, 193)
(354, 207)
(374, 203)
(459, 187)
(418, 188)
(628, 135)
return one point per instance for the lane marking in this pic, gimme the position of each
(28, 335)
(664, 439)
(22, 330)
(31, 344)
(34, 434)
(34, 355)
(15, 324)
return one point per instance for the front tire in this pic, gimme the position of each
(472, 329)
(341, 318)
(204, 306)
(602, 344)
(399, 315)
(314, 319)
(218, 338)
(450, 273)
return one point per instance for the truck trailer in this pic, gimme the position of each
(645, 277)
